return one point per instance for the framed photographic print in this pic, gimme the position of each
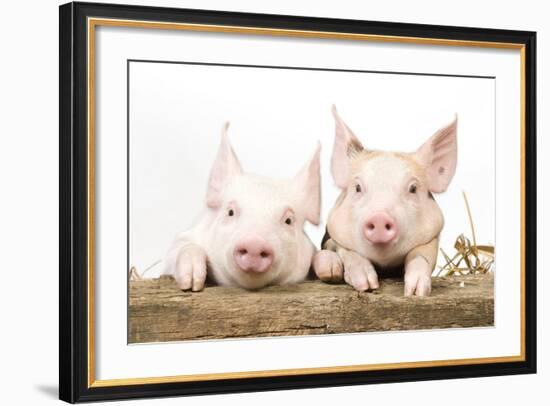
(255, 202)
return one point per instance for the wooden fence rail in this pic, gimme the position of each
(159, 311)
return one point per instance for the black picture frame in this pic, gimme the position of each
(74, 385)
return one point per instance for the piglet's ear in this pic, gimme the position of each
(307, 184)
(439, 155)
(225, 166)
(346, 145)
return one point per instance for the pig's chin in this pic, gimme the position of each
(383, 254)
(248, 279)
(254, 280)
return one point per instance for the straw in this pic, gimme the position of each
(469, 258)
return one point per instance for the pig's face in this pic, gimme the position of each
(256, 230)
(259, 231)
(386, 207)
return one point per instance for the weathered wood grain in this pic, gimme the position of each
(159, 311)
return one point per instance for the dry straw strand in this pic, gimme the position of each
(469, 258)
(136, 276)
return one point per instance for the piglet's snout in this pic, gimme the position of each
(380, 228)
(253, 255)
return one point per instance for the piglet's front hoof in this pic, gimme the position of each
(359, 272)
(418, 278)
(191, 269)
(328, 266)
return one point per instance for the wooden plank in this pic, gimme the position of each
(159, 311)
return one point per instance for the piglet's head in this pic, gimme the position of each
(257, 222)
(386, 207)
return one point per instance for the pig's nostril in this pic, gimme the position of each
(243, 251)
(370, 226)
(264, 254)
(388, 226)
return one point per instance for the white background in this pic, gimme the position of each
(29, 208)
(277, 116)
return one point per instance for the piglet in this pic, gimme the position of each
(386, 217)
(251, 232)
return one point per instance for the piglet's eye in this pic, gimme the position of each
(358, 188)
(231, 212)
(412, 188)
(288, 221)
